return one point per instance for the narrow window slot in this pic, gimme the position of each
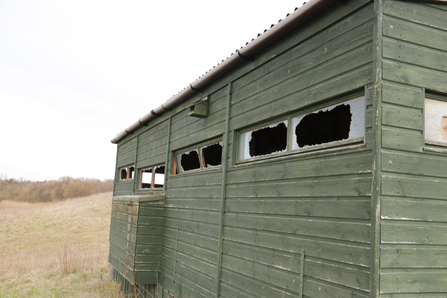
(159, 177)
(324, 126)
(146, 179)
(123, 174)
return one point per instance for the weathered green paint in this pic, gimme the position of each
(363, 219)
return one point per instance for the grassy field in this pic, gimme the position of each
(56, 249)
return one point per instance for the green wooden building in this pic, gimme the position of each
(310, 163)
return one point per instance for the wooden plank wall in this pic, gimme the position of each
(413, 251)
(148, 242)
(125, 156)
(123, 231)
(319, 203)
(152, 145)
(188, 258)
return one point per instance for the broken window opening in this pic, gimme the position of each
(123, 174)
(264, 141)
(188, 161)
(436, 121)
(324, 126)
(146, 179)
(159, 177)
(212, 155)
(131, 172)
(126, 173)
(336, 123)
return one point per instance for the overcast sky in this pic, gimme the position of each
(73, 74)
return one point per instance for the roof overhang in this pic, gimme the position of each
(292, 21)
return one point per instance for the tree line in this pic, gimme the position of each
(50, 191)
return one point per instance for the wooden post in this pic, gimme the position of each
(223, 189)
(376, 94)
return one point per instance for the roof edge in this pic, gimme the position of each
(283, 27)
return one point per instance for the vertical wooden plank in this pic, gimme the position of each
(301, 274)
(135, 171)
(168, 154)
(223, 189)
(377, 148)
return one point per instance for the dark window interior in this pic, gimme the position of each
(268, 140)
(146, 178)
(131, 171)
(123, 174)
(190, 161)
(324, 126)
(159, 178)
(212, 155)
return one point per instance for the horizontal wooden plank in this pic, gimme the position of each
(128, 207)
(193, 215)
(199, 178)
(192, 227)
(213, 191)
(358, 231)
(339, 251)
(416, 13)
(349, 276)
(150, 220)
(229, 291)
(414, 33)
(402, 139)
(205, 268)
(200, 204)
(342, 164)
(122, 234)
(331, 207)
(146, 278)
(414, 187)
(198, 240)
(317, 187)
(186, 284)
(413, 209)
(267, 274)
(414, 281)
(403, 95)
(192, 250)
(413, 233)
(413, 54)
(142, 259)
(125, 217)
(253, 286)
(151, 211)
(150, 230)
(413, 256)
(414, 163)
(148, 249)
(402, 117)
(319, 289)
(414, 75)
(269, 257)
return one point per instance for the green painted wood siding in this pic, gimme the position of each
(413, 226)
(152, 145)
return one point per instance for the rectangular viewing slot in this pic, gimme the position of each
(152, 178)
(264, 141)
(339, 122)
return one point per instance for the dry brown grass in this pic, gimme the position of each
(56, 249)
